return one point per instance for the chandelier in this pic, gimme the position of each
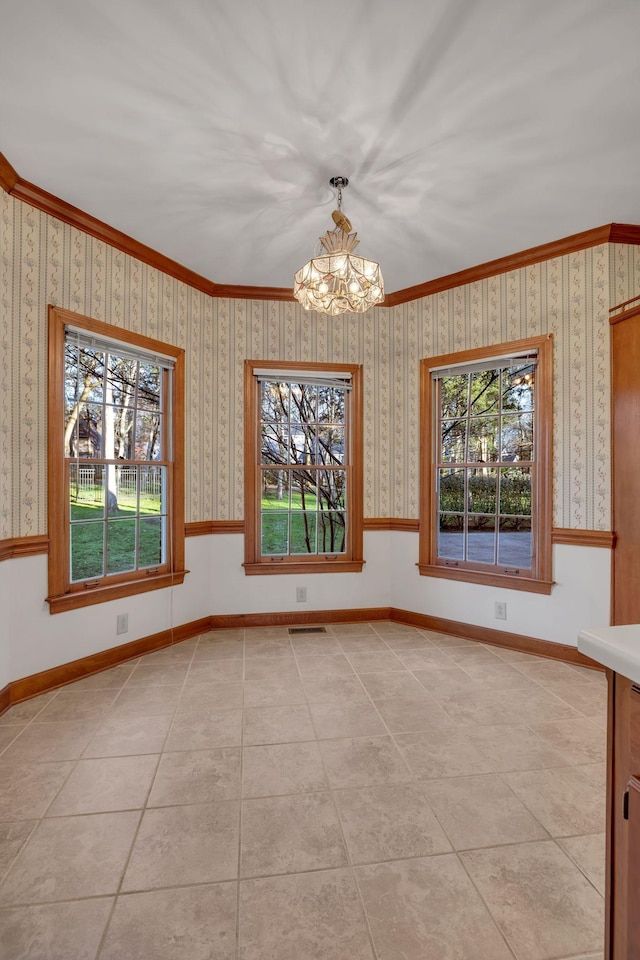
(336, 280)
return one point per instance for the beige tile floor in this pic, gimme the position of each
(374, 791)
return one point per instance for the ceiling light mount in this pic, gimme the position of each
(336, 281)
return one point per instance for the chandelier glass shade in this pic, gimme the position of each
(337, 280)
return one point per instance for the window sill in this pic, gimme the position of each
(503, 580)
(280, 567)
(71, 601)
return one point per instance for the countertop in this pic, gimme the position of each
(615, 647)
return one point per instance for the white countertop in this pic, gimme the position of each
(615, 647)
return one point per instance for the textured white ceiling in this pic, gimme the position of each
(208, 129)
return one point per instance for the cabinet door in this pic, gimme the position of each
(633, 871)
(625, 395)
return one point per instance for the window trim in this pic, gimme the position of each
(542, 581)
(254, 563)
(62, 596)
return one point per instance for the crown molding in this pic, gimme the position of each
(13, 184)
(36, 197)
(516, 261)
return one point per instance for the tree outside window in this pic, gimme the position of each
(303, 484)
(116, 483)
(486, 487)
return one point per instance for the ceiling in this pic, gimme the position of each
(209, 129)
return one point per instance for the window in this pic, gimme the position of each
(303, 468)
(116, 487)
(486, 465)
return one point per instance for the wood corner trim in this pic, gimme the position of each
(584, 538)
(8, 176)
(624, 233)
(405, 524)
(203, 528)
(23, 546)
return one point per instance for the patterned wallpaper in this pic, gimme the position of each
(567, 296)
(624, 273)
(45, 261)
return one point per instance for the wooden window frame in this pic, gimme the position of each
(352, 560)
(541, 580)
(63, 595)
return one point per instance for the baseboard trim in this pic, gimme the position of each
(497, 638)
(32, 686)
(226, 621)
(39, 683)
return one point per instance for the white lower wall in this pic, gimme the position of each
(31, 639)
(580, 597)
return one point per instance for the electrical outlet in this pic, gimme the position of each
(301, 594)
(122, 623)
(500, 610)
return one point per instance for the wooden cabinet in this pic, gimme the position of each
(623, 820)
(625, 406)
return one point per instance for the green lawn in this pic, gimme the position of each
(88, 535)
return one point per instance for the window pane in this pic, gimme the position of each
(331, 405)
(454, 395)
(451, 536)
(152, 486)
(303, 403)
(515, 491)
(118, 432)
(331, 532)
(122, 376)
(149, 387)
(274, 401)
(86, 491)
(275, 443)
(331, 445)
(303, 532)
(304, 494)
(332, 490)
(453, 434)
(518, 387)
(481, 538)
(515, 542)
(451, 491)
(483, 490)
(83, 431)
(151, 540)
(517, 436)
(148, 436)
(275, 533)
(275, 490)
(84, 372)
(303, 443)
(483, 440)
(121, 545)
(126, 489)
(87, 551)
(485, 392)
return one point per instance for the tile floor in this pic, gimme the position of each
(369, 793)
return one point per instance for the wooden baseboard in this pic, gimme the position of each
(39, 683)
(225, 621)
(498, 638)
